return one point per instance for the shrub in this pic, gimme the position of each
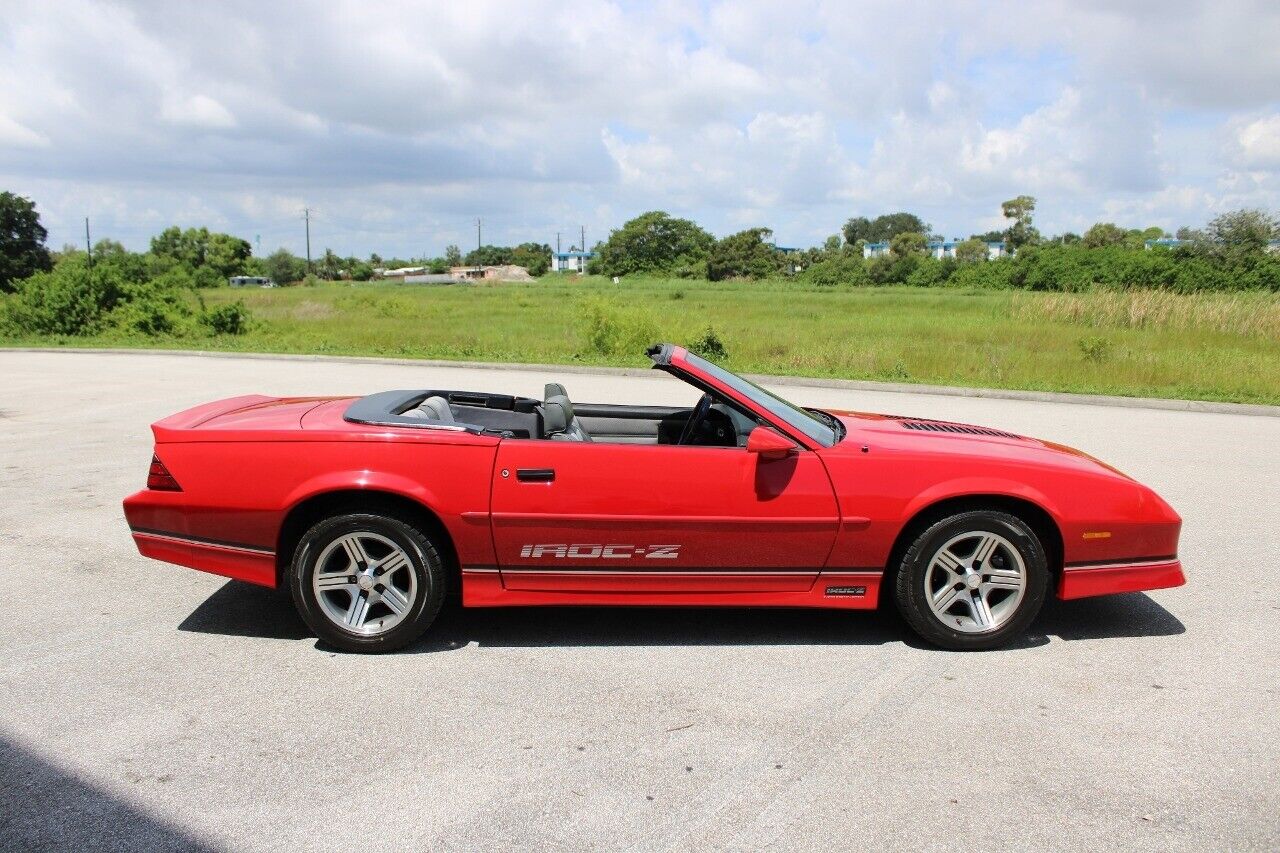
(837, 270)
(612, 329)
(117, 292)
(230, 319)
(744, 255)
(929, 273)
(205, 277)
(1096, 349)
(709, 346)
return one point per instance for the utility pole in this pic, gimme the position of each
(306, 215)
(557, 242)
(478, 259)
(88, 247)
(582, 247)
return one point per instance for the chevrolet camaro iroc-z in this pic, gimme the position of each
(372, 510)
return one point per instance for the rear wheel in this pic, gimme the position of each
(973, 580)
(367, 583)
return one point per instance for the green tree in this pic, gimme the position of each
(198, 247)
(489, 256)
(1021, 231)
(453, 256)
(534, 257)
(284, 267)
(833, 244)
(654, 242)
(331, 267)
(971, 251)
(907, 243)
(1103, 234)
(22, 250)
(746, 254)
(883, 228)
(857, 228)
(226, 254)
(1243, 232)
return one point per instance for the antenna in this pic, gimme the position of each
(88, 247)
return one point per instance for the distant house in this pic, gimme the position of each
(938, 248)
(402, 272)
(250, 281)
(571, 261)
(501, 272)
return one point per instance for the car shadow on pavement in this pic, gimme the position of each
(240, 609)
(45, 807)
(1131, 614)
(244, 610)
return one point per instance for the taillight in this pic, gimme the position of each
(159, 478)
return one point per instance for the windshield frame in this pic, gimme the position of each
(794, 420)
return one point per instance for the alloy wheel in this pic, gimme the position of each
(975, 582)
(364, 583)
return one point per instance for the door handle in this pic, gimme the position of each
(536, 475)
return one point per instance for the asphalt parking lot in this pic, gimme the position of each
(145, 706)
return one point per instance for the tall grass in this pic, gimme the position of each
(1145, 343)
(1242, 314)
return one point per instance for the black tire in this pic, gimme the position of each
(911, 587)
(425, 563)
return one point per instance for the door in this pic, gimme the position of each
(596, 517)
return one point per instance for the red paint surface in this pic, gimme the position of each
(787, 528)
(1108, 580)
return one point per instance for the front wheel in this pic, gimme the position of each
(973, 580)
(367, 583)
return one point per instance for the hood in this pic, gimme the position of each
(951, 438)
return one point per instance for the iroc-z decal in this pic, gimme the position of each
(600, 552)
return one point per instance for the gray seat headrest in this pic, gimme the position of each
(557, 415)
(436, 408)
(554, 389)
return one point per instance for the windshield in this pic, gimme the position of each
(806, 422)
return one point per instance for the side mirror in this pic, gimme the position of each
(769, 444)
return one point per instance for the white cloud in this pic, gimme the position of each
(17, 134)
(196, 111)
(402, 121)
(1259, 142)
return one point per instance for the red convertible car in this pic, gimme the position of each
(372, 509)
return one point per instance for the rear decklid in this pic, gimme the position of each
(251, 412)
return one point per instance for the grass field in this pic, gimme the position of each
(1151, 344)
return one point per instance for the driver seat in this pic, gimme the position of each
(558, 421)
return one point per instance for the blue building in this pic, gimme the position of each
(938, 248)
(571, 261)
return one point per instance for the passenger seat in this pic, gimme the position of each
(435, 408)
(558, 422)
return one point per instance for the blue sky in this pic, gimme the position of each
(399, 123)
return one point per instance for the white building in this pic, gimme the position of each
(571, 261)
(938, 248)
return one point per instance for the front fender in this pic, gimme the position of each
(968, 487)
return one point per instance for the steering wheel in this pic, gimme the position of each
(696, 417)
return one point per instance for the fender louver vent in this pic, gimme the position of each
(939, 426)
